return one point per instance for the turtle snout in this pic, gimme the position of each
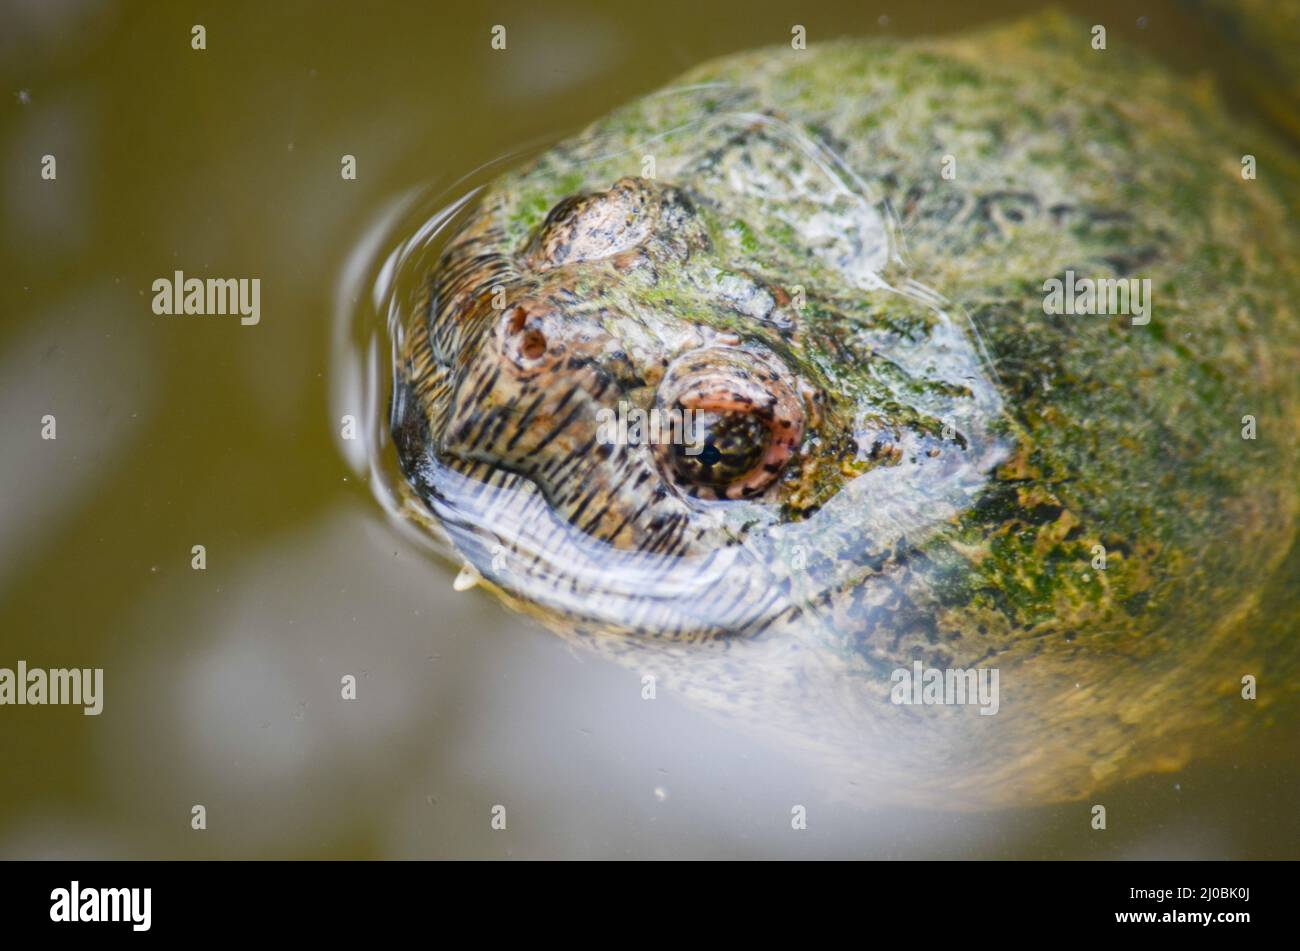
(530, 388)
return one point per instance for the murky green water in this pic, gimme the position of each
(222, 686)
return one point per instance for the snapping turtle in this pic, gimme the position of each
(930, 362)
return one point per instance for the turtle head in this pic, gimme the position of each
(600, 363)
(648, 383)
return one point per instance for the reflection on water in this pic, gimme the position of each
(223, 686)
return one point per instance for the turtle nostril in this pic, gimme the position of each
(533, 344)
(522, 339)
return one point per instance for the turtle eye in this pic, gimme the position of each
(741, 422)
(722, 448)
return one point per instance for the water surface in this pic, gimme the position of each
(222, 686)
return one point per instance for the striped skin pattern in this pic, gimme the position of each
(939, 459)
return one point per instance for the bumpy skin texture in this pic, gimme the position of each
(957, 454)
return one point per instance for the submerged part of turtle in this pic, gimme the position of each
(753, 386)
